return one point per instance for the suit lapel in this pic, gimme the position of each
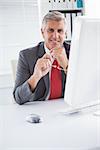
(41, 52)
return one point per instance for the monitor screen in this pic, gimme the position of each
(83, 78)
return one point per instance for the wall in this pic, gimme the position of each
(19, 25)
(92, 8)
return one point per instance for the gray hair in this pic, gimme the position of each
(53, 16)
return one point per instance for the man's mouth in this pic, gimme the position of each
(54, 42)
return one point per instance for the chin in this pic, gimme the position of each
(53, 45)
(50, 46)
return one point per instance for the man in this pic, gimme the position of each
(41, 71)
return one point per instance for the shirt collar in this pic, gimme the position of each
(46, 49)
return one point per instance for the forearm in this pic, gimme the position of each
(32, 81)
(22, 93)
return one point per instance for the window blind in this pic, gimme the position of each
(19, 29)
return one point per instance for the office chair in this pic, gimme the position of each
(14, 67)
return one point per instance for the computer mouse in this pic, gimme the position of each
(33, 118)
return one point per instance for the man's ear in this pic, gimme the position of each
(42, 32)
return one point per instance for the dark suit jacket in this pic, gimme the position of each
(25, 68)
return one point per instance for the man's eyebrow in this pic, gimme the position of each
(60, 29)
(55, 29)
(50, 29)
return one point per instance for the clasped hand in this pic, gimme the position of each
(44, 64)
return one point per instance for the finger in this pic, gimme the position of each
(46, 64)
(52, 55)
(57, 48)
(47, 56)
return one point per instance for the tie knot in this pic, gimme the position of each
(55, 62)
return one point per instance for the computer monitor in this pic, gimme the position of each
(83, 78)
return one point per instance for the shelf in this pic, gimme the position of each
(69, 10)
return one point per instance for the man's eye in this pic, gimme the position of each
(50, 30)
(60, 31)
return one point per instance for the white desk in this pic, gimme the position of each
(56, 132)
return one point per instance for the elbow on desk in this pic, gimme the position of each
(17, 98)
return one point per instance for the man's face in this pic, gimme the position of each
(54, 34)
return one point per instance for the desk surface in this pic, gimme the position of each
(57, 131)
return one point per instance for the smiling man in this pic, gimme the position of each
(41, 72)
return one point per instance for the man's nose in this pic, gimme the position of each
(55, 34)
